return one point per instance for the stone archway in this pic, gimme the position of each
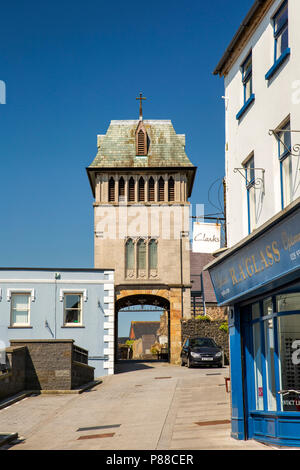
(169, 299)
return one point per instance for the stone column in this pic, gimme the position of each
(155, 188)
(116, 178)
(166, 188)
(146, 179)
(175, 325)
(126, 179)
(98, 188)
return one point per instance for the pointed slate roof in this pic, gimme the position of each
(117, 148)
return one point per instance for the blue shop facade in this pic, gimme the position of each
(259, 280)
(48, 304)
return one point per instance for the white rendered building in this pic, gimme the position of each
(261, 70)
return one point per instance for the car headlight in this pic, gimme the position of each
(219, 354)
(195, 354)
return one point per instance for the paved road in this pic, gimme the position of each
(145, 406)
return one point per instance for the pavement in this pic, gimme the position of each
(144, 406)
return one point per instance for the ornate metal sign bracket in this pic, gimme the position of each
(294, 151)
(257, 183)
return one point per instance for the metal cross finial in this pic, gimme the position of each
(141, 108)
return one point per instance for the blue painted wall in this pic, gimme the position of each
(47, 308)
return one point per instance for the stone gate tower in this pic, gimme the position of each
(141, 179)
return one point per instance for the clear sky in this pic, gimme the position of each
(72, 66)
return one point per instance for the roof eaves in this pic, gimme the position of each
(245, 23)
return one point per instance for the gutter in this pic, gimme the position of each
(245, 24)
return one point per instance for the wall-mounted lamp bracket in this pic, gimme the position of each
(295, 150)
(257, 183)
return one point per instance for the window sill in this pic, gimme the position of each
(278, 63)
(18, 326)
(245, 107)
(72, 326)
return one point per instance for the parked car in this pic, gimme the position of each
(201, 351)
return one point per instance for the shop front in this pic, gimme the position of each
(259, 279)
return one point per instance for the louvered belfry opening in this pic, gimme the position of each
(141, 189)
(131, 190)
(151, 195)
(141, 140)
(141, 143)
(111, 190)
(171, 189)
(161, 189)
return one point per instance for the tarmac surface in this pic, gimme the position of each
(144, 406)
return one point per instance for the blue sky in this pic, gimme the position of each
(72, 66)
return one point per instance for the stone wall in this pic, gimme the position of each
(215, 312)
(13, 381)
(49, 365)
(81, 374)
(193, 328)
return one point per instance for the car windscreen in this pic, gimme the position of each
(202, 342)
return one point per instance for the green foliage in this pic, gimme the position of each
(204, 318)
(129, 343)
(154, 350)
(224, 327)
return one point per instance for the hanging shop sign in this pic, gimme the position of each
(206, 237)
(268, 259)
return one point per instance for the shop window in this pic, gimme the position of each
(20, 309)
(289, 355)
(257, 354)
(270, 365)
(73, 309)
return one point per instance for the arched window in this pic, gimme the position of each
(131, 190)
(151, 186)
(141, 254)
(152, 254)
(161, 189)
(111, 190)
(171, 189)
(141, 189)
(121, 189)
(129, 254)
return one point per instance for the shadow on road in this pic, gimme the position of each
(131, 365)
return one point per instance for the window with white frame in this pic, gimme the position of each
(20, 309)
(72, 309)
(286, 164)
(251, 195)
(281, 31)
